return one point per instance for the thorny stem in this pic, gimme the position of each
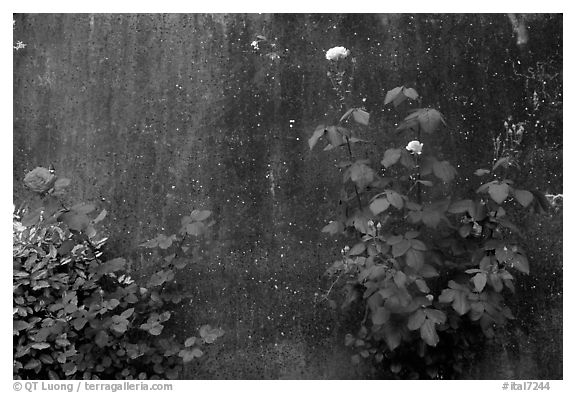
(342, 97)
(418, 188)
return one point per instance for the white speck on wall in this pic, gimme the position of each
(270, 176)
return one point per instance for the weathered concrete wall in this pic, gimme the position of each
(154, 115)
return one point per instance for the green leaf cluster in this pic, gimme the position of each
(79, 315)
(431, 274)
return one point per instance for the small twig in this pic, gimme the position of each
(332, 286)
(418, 188)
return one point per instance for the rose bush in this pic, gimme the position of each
(78, 314)
(429, 272)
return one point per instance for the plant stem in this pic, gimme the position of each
(180, 244)
(352, 159)
(418, 189)
(332, 286)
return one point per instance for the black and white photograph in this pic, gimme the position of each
(287, 196)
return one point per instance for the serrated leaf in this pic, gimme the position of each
(111, 266)
(77, 221)
(430, 120)
(334, 136)
(431, 218)
(498, 192)
(20, 325)
(318, 133)
(392, 336)
(40, 345)
(164, 242)
(463, 206)
(100, 216)
(84, 208)
(411, 234)
(428, 333)
(410, 122)
(444, 171)
(479, 281)
(155, 330)
(379, 205)
(358, 249)
(196, 228)
(418, 245)
(422, 286)
(416, 319)
(101, 338)
(436, 316)
(33, 363)
(361, 174)
(406, 159)
(360, 220)
(481, 172)
(524, 197)
(414, 259)
(79, 322)
(428, 271)
(392, 240)
(361, 117)
(200, 215)
(356, 140)
(395, 95)
(461, 304)
(349, 340)
(400, 279)
(209, 334)
(465, 230)
(127, 313)
(411, 93)
(395, 199)
(447, 296)
(333, 228)
(33, 217)
(188, 355)
(380, 316)
(504, 161)
(120, 327)
(520, 263)
(401, 248)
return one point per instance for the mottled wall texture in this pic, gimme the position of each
(152, 116)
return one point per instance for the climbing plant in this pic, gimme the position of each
(430, 271)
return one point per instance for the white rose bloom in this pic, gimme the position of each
(337, 53)
(415, 147)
